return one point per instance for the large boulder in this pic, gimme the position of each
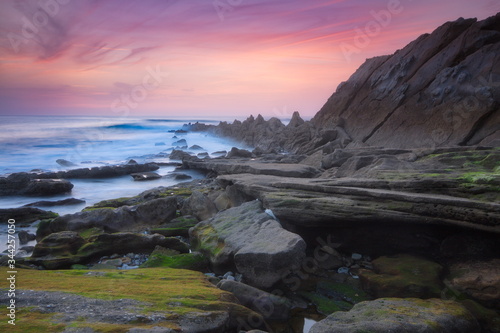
(403, 276)
(59, 244)
(199, 206)
(247, 238)
(401, 315)
(125, 218)
(23, 183)
(477, 279)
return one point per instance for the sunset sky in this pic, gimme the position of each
(174, 58)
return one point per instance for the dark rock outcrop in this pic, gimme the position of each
(247, 238)
(64, 202)
(401, 315)
(25, 214)
(23, 183)
(440, 90)
(125, 218)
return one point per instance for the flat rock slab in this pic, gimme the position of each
(337, 202)
(141, 176)
(226, 166)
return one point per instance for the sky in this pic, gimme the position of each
(200, 58)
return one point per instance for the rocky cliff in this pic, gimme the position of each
(443, 89)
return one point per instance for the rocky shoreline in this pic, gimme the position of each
(330, 219)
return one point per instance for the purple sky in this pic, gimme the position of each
(199, 57)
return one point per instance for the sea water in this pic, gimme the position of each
(36, 142)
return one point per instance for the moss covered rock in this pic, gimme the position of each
(193, 261)
(403, 276)
(63, 249)
(177, 227)
(401, 315)
(247, 238)
(330, 296)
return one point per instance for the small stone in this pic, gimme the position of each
(227, 275)
(343, 270)
(356, 256)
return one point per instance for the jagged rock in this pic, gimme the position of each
(65, 163)
(268, 305)
(196, 147)
(141, 176)
(247, 238)
(181, 142)
(179, 155)
(436, 91)
(64, 202)
(400, 315)
(199, 205)
(237, 153)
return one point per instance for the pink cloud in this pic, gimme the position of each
(258, 56)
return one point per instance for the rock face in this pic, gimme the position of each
(440, 90)
(400, 315)
(247, 238)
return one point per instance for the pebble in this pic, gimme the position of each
(356, 256)
(343, 270)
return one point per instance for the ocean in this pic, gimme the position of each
(36, 142)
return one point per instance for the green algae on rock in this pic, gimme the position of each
(403, 276)
(401, 315)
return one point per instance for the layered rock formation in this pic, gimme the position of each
(442, 89)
